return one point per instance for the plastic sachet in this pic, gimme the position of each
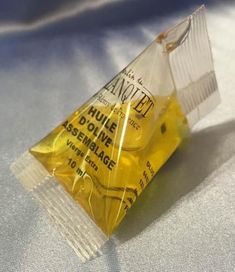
(88, 171)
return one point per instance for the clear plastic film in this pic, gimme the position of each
(90, 169)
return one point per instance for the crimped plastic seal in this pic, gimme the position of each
(90, 169)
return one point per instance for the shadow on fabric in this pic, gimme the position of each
(183, 173)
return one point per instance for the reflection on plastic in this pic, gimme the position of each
(105, 166)
(103, 155)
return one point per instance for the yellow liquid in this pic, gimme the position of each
(104, 189)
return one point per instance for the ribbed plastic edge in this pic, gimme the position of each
(83, 235)
(192, 68)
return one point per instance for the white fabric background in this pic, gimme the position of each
(52, 60)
